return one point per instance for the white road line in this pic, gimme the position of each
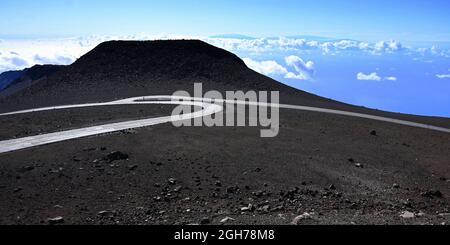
(43, 139)
(323, 110)
(209, 107)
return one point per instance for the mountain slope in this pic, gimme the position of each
(7, 77)
(36, 72)
(15, 81)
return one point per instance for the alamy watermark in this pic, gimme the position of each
(240, 109)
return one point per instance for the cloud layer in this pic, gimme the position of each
(268, 67)
(301, 70)
(19, 54)
(300, 44)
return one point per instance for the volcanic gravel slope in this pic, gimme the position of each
(332, 169)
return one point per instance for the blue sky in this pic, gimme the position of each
(384, 54)
(415, 20)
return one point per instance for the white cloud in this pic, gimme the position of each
(304, 70)
(369, 77)
(20, 54)
(373, 77)
(442, 76)
(300, 76)
(363, 45)
(346, 45)
(12, 61)
(390, 78)
(268, 67)
(390, 46)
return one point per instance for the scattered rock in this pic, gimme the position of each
(249, 208)
(90, 149)
(226, 219)
(157, 198)
(264, 209)
(115, 156)
(105, 213)
(218, 183)
(421, 214)
(407, 215)
(18, 189)
(299, 218)
(133, 167)
(177, 189)
(205, 221)
(332, 187)
(172, 181)
(278, 208)
(56, 220)
(128, 131)
(291, 193)
(258, 193)
(395, 186)
(26, 169)
(359, 165)
(408, 204)
(432, 193)
(373, 133)
(232, 189)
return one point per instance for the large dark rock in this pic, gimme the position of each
(115, 156)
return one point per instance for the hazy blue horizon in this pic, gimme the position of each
(415, 20)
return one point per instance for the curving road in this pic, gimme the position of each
(208, 106)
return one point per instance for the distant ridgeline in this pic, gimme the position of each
(10, 78)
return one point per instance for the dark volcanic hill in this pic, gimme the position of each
(119, 69)
(338, 169)
(7, 77)
(35, 73)
(13, 81)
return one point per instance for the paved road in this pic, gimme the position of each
(43, 139)
(209, 107)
